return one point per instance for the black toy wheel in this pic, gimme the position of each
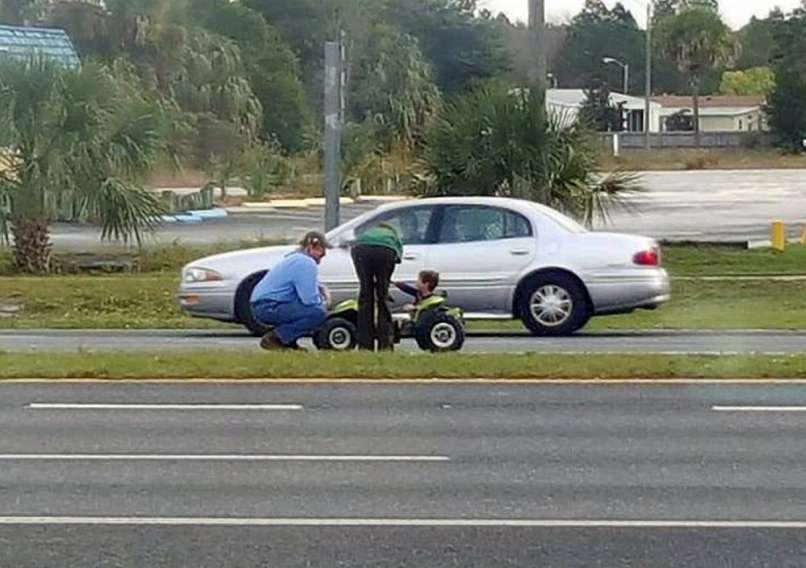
(440, 332)
(336, 334)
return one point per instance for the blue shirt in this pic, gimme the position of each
(294, 279)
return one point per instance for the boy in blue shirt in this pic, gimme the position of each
(427, 282)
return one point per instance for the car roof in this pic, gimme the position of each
(519, 204)
(522, 206)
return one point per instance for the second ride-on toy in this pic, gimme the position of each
(435, 326)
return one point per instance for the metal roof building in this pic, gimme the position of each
(26, 42)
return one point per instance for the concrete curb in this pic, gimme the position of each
(318, 202)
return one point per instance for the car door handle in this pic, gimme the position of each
(519, 252)
(411, 256)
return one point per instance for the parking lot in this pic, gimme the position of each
(719, 206)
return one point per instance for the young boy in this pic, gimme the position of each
(427, 282)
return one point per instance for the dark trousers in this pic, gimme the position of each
(374, 266)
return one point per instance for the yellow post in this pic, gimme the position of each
(803, 237)
(778, 235)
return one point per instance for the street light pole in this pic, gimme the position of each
(333, 123)
(625, 67)
(648, 87)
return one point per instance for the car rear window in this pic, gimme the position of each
(562, 220)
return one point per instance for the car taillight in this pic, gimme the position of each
(647, 258)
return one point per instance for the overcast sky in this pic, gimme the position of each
(736, 12)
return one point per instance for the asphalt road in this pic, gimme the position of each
(695, 205)
(672, 342)
(487, 475)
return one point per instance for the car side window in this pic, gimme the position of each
(517, 226)
(411, 224)
(473, 223)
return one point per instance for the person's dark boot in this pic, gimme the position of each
(271, 342)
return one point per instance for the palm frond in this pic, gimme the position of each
(612, 191)
(500, 141)
(124, 210)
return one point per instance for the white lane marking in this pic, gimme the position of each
(759, 408)
(219, 457)
(358, 522)
(103, 406)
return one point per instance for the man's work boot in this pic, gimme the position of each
(271, 342)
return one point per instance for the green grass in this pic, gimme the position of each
(680, 260)
(103, 302)
(147, 300)
(148, 260)
(727, 261)
(709, 305)
(229, 365)
(692, 159)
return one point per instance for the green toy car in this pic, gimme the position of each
(435, 326)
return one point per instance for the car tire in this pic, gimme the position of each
(554, 305)
(336, 334)
(243, 306)
(439, 332)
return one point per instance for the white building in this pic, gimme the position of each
(568, 102)
(717, 113)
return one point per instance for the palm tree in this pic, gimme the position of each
(81, 139)
(696, 40)
(497, 142)
(395, 87)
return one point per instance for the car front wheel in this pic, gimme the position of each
(554, 305)
(243, 307)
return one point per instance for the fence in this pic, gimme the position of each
(680, 140)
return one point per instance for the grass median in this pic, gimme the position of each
(228, 365)
(147, 300)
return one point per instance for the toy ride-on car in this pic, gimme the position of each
(435, 326)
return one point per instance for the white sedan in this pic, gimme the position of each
(498, 259)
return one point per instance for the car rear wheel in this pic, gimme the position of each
(554, 305)
(243, 307)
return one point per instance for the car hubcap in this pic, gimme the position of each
(339, 338)
(443, 335)
(551, 305)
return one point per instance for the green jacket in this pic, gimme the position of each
(382, 236)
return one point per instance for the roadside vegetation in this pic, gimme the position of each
(222, 365)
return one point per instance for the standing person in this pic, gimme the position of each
(290, 297)
(375, 254)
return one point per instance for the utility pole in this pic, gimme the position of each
(538, 70)
(334, 79)
(648, 93)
